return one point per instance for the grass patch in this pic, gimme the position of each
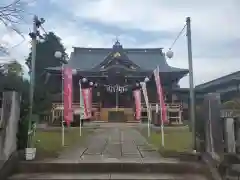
(177, 139)
(49, 143)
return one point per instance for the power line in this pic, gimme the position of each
(179, 34)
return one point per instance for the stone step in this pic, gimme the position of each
(169, 167)
(114, 176)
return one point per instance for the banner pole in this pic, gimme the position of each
(162, 131)
(148, 123)
(63, 133)
(80, 100)
(149, 118)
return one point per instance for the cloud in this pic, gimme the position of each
(149, 23)
(215, 28)
(82, 36)
(155, 15)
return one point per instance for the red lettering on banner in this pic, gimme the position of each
(160, 96)
(87, 102)
(68, 111)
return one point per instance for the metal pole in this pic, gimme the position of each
(117, 98)
(32, 78)
(80, 112)
(191, 84)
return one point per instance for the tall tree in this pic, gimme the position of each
(15, 68)
(11, 77)
(45, 58)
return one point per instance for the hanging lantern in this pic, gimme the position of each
(169, 54)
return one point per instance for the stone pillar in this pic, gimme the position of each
(213, 124)
(10, 118)
(237, 134)
(230, 135)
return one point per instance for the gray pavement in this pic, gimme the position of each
(112, 142)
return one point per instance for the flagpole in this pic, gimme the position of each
(157, 78)
(149, 117)
(144, 90)
(63, 129)
(117, 98)
(161, 106)
(162, 129)
(80, 100)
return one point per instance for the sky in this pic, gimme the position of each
(141, 24)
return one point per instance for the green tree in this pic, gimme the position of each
(45, 58)
(11, 77)
(15, 68)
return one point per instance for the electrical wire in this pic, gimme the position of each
(179, 34)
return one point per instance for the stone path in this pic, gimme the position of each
(114, 151)
(112, 143)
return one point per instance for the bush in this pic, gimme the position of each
(22, 135)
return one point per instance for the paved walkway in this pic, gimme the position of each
(112, 142)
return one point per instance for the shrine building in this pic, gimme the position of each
(116, 71)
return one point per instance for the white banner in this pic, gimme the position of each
(160, 96)
(82, 110)
(144, 90)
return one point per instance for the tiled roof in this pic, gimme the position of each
(147, 59)
(222, 80)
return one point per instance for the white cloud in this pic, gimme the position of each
(16, 45)
(81, 36)
(156, 15)
(214, 24)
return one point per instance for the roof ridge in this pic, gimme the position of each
(216, 79)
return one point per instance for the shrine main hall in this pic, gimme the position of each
(116, 71)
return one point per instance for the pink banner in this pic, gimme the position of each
(68, 110)
(86, 92)
(160, 96)
(137, 97)
(90, 101)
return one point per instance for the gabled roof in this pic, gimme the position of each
(220, 81)
(141, 59)
(147, 59)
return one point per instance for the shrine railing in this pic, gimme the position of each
(168, 105)
(59, 106)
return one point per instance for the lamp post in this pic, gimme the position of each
(58, 55)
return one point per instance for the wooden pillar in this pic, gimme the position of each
(180, 116)
(53, 114)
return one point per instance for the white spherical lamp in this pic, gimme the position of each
(137, 84)
(58, 54)
(84, 80)
(146, 79)
(169, 53)
(74, 71)
(41, 40)
(90, 83)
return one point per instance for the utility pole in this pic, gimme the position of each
(36, 24)
(191, 83)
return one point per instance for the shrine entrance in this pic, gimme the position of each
(118, 103)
